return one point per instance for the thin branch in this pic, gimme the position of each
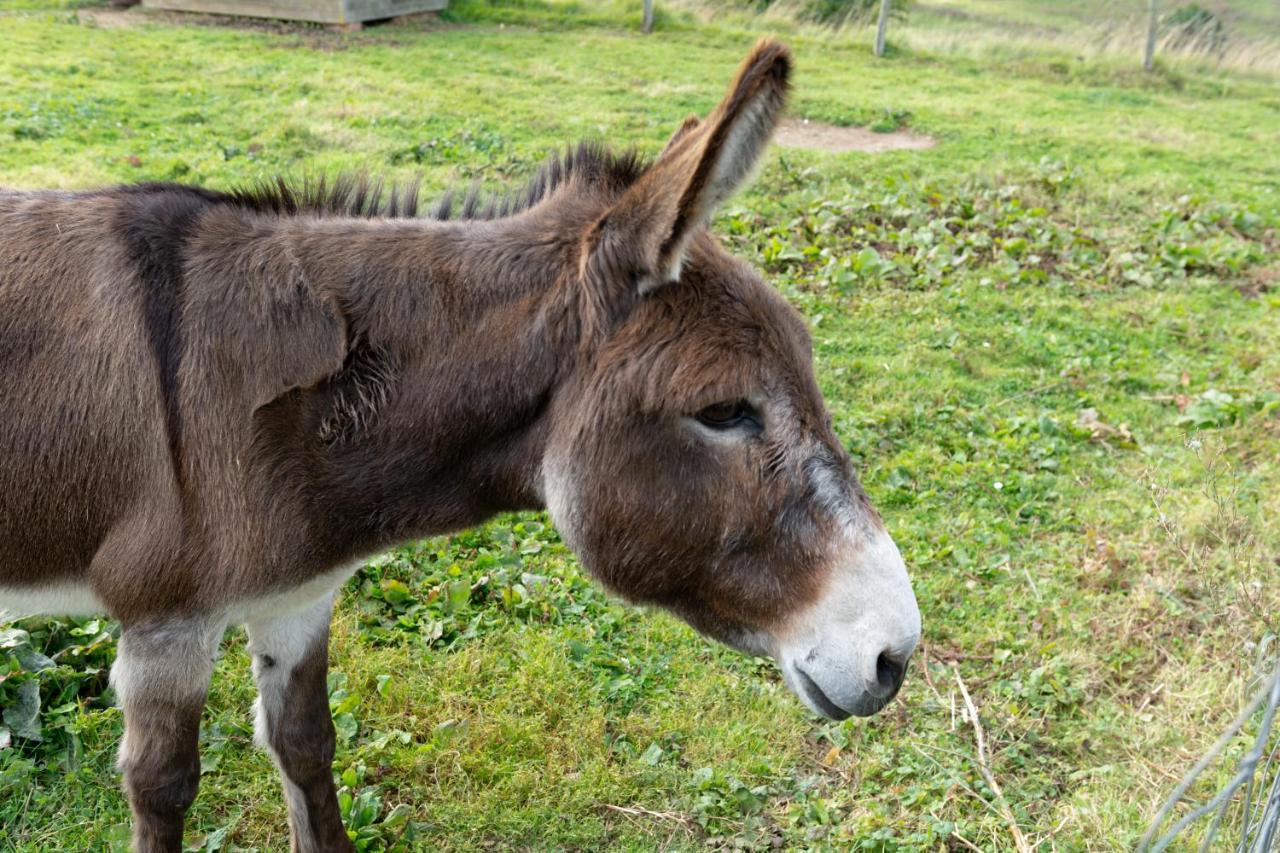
(984, 766)
(632, 811)
(966, 842)
(928, 680)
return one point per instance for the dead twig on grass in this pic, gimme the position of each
(952, 657)
(984, 767)
(966, 842)
(632, 812)
(928, 680)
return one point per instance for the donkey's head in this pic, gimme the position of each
(692, 463)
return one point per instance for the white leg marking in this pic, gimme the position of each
(278, 641)
(170, 662)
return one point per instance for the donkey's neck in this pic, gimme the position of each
(459, 336)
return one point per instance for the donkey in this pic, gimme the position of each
(214, 405)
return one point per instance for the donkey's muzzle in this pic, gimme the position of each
(847, 654)
(846, 700)
(810, 690)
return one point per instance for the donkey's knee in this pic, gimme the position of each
(301, 742)
(290, 662)
(161, 676)
(160, 760)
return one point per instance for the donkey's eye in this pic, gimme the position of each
(729, 414)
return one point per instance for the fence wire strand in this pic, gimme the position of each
(1257, 776)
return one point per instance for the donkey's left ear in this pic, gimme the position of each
(702, 166)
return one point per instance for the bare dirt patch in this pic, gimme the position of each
(820, 136)
(1259, 280)
(111, 18)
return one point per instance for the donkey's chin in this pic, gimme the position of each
(840, 699)
(838, 704)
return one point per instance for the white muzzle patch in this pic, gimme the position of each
(847, 654)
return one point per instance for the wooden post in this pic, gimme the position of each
(648, 17)
(1153, 22)
(883, 24)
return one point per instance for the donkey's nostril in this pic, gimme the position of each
(890, 670)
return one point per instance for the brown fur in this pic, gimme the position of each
(209, 398)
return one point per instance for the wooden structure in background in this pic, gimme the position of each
(882, 24)
(1153, 27)
(335, 12)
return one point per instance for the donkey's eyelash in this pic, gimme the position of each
(729, 414)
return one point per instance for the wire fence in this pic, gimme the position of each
(1237, 35)
(1251, 796)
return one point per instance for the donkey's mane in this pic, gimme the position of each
(362, 195)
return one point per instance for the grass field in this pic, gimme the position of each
(1050, 343)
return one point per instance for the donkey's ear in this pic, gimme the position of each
(703, 164)
(687, 126)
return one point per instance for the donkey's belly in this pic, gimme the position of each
(60, 598)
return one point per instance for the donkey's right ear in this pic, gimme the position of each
(648, 230)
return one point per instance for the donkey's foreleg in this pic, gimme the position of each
(161, 676)
(290, 662)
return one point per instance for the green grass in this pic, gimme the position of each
(1048, 342)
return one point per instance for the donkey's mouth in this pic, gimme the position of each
(819, 699)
